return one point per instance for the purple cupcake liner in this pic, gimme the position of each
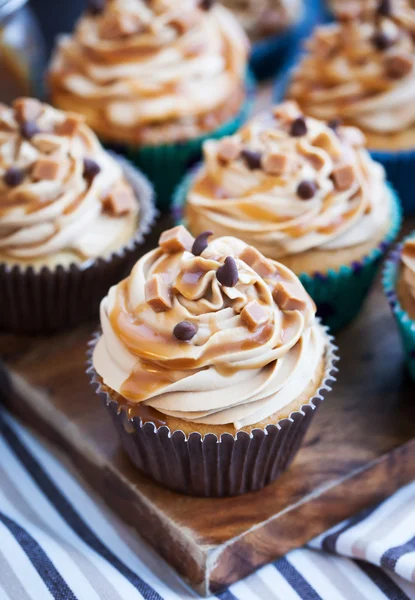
(208, 466)
(45, 300)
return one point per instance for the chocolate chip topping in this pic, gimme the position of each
(206, 4)
(95, 7)
(382, 41)
(184, 331)
(334, 124)
(28, 129)
(306, 189)
(201, 243)
(385, 8)
(252, 159)
(298, 127)
(13, 176)
(227, 274)
(91, 169)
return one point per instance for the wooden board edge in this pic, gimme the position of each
(174, 546)
(365, 487)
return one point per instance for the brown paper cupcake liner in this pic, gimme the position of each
(208, 466)
(49, 299)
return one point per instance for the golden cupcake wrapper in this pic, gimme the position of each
(208, 466)
(48, 299)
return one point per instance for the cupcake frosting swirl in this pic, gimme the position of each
(408, 261)
(361, 68)
(152, 71)
(224, 336)
(287, 184)
(59, 189)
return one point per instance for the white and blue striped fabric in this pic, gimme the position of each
(58, 541)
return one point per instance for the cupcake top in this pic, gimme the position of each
(287, 183)
(211, 333)
(262, 18)
(59, 190)
(152, 71)
(362, 68)
(408, 263)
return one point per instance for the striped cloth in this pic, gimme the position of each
(58, 541)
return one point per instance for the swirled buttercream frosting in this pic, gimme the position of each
(211, 333)
(286, 184)
(361, 68)
(261, 18)
(408, 266)
(59, 190)
(152, 72)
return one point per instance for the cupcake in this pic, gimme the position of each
(305, 193)
(399, 285)
(211, 363)
(274, 27)
(72, 217)
(362, 69)
(154, 79)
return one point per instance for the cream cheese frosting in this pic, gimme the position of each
(361, 68)
(408, 262)
(151, 72)
(212, 333)
(60, 191)
(286, 184)
(261, 18)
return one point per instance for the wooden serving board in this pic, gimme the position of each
(359, 450)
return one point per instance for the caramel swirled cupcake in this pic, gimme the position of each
(362, 69)
(208, 338)
(154, 74)
(65, 205)
(302, 191)
(399, 286)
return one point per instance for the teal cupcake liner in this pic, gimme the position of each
(406, 326)
(338, 294)
(165, 164)
(270, 54)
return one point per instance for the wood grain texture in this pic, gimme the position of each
(358, 451)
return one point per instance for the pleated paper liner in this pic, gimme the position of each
(165, 164)
(339, 294)
(45, 300)
(208, 466)
(406, 326)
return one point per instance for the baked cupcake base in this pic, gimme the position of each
(46, 299)
(219, 461)
(403, 308)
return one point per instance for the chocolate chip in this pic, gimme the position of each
(252, 159)
(227, 274)
(206, 4)
(385, 8)
(91, 169)
(95, 7)
(13, 176)
(382, 41)
(334, 124)
(184, 331)
(298, 127)
(306, 189)
(201, 243)
(28, 129)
